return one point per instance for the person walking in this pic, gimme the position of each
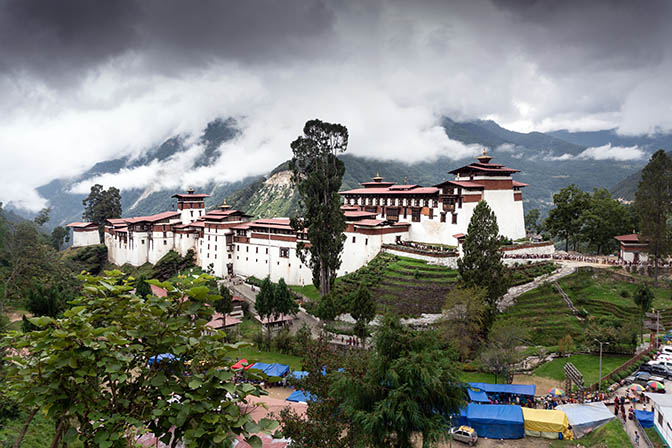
(636, 438)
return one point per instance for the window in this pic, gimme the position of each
(443, 217)
(247, 248)
(257, 250)
(459, 204)
(215, 238)
(416, 215)
(454, 218)
(215, 247)
(660, 419)
(366, 242)
(215, 256)
(208, 247)
(208, 237)
(284, 252)
(431, 213)
(405, 212)
(353, 239)
(237, 247)
(267, 251)
(143, 241)
(229, 256)
(192, 213)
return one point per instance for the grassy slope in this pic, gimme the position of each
(588, 365)
(611, 435)
(254, 355)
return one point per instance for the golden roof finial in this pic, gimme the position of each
(485, 151)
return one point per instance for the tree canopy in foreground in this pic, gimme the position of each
(89, 370)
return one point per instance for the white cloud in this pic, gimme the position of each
(605, 152)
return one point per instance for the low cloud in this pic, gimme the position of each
(604, 152)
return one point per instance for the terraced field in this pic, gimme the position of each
(545, 314)
(412, 287)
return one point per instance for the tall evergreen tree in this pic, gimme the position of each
(481, 265)
(225, 305)
(653, 202)
(363, 310)
(564, 220)
(283, 300)
(142, 288)
(317, 173)
(100, 205)
(59, 236)
(643, 298)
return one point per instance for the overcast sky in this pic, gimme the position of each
(83, 81)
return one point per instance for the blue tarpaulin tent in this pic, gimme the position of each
(259, 366)
(300, 396)
(478, 396)
(520, 389)
(496, 421)
(160, 358)
(298, 374)
(276, 369)
(645, 418)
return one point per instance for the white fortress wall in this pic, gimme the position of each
(510, 218)
(87, 237)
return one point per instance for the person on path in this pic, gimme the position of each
(636, 438)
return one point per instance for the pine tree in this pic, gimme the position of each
(225, 305)
(643, 298)
(363, 310)
(317, 173)
(653, 202)
(142, 288)
(481, 265)
(283, 300)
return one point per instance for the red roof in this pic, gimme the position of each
(81, 225)
(220, 320)
(153, 218)
(403, 187)
(156, 290)
(390, 190)
(630, 238)
(190, 196)
(359, 214)
(486, 167)
(465, 184)
(459, 235)
(370, 222)
(519, 184)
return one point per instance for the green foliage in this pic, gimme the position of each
(43, 300)
(406, 386)
(101, 205)
(481, 265)
(142, 288)
(602, 220)
(88, 258)
(501, 351)
(462, 324)
(564, 220)
(317, 173)
(653, 202)
(172, 264)
(59, 236)
(363, 310)
(42, 217)
(588, 365)
(532, 221)
(225, 305)
(274, 300)
(98, 352)
(643, 298)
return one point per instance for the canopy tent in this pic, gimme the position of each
(298, 374)
(300, 396)
(584, 418)
(545, 423)
(160, 358)
(645, 418)
(496, 421)
(276, 369)
(518, 389)
(478, 396)
(240, 364)
(259, 366)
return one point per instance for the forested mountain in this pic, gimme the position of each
(548, 162)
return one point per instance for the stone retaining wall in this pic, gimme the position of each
(448, 259)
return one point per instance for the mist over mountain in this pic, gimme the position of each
(547, 162)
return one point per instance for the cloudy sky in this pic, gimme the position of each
(83, 81)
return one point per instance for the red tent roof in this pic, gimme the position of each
(240, 364)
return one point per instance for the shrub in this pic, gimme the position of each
(583, 313)
(625, 293)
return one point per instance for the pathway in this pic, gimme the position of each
(566, 268)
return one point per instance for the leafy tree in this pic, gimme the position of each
(325, 424)
(89, 372)
(653, 202)
(564, 220)
(408, 385)
(224, 306)
(643, 298)
(317, 173)
(566, 345)
(284, 302)
(532, 220)
(101, 205)
(42, 217)
(363, 310)
(265, 297)
(621, 335)
(602, 220)
(481, 265)
(59, 236)
(328, 308)
(142, 288)
(501, 353)
(463, 320)
(172, 264)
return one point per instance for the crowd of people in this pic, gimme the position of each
(425, 247)
(526, 401)
(528, 256)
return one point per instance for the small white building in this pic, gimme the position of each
(84, 234)
(632, 249)
(662, 415)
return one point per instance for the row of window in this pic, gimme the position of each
(399, 202)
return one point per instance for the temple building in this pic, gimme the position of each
(226, 241)
(441, 214)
